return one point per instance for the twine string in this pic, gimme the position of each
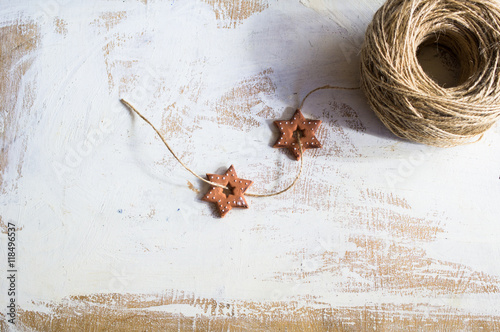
(325, 87)
(168, 146)
(297, 137)
(297, 134)
(205, 180)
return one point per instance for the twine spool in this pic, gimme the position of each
(410, 103)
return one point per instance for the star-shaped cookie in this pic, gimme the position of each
(307, 130)
(227, 199)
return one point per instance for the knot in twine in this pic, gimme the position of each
(410, 103)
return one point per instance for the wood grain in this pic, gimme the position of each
(17, 41)
(231, 13)
(102, 312)
(121, 241)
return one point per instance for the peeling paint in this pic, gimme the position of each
(122, 232)
(154, 312)
(229, 13)
(235, 107)
(17, 42)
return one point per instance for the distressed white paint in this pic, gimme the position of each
(75, 241)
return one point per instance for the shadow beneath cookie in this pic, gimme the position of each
(309, 50)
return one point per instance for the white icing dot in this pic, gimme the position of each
(291, 122)
(286, 122)
(213, 197)
(303, 123)
(234, 202)
(217, 178)
(208, 196)
(309, 122)
(223, 178)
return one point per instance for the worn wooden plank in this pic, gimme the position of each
(111, 234)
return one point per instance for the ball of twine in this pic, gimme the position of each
(410, 103)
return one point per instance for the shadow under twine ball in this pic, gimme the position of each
(408, 100)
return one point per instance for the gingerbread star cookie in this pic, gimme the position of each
(306, 130)
(227, 199)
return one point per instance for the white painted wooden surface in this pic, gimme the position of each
(101, 207)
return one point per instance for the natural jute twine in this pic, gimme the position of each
(132, 108)
(405, 98)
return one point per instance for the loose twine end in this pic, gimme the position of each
(129, 106)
